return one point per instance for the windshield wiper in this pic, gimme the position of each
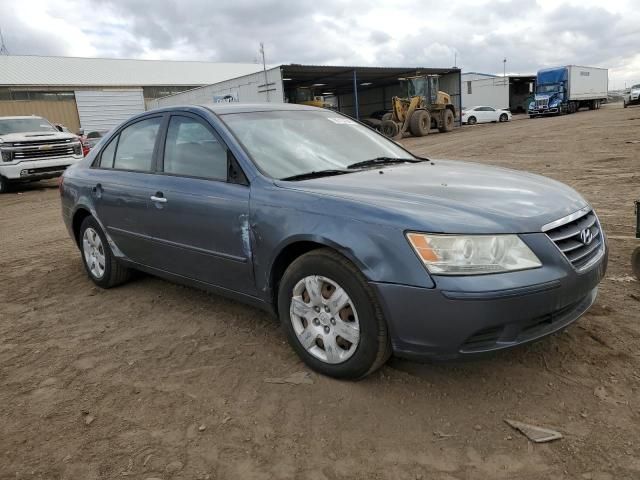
(383, 161)
(316, 174)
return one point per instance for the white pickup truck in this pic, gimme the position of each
(32, 149)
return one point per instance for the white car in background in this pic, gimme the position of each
(484, 114)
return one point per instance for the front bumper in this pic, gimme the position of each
(544, 111)
(37, 169)
(447, 322)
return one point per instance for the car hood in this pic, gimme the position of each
(35, 136)
(452, 196)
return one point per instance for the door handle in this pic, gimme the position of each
(158, 197)
(97, 190)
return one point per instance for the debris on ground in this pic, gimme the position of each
(297, 378)
(174, 467)
(534, 433)
(202, 428)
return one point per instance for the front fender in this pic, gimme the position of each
(280, 218)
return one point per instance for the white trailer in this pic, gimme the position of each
(588, 83)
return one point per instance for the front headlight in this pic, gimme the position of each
(472, 254)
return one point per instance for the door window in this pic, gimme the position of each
(106, 158)
(136, 144)
(192, 150)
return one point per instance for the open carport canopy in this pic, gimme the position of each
(340, 80)
(375, 85)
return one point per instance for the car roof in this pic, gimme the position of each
(223, 108)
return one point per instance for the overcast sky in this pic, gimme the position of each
(530, 33)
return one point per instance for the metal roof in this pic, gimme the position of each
(28, 70)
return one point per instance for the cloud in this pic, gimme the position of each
(531, 34)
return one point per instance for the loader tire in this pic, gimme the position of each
(447, 121)
(389, 128)
(420, 123)
(387, 116)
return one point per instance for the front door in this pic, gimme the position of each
(200, 219)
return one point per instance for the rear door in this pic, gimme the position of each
(200, 217)
(122, 191)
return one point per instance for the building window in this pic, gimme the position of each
(158, 92)
(25, 95)
(469, 87)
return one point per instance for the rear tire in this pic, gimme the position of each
(420, 123)
(472, 120)
(389, 128)
(98, 259)
(447, 121)
(329, 271)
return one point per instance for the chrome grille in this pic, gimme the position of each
(542, 103)
(44, 149)
(578, 236)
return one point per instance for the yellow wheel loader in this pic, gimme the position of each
(425, 107)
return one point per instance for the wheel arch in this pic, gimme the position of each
(293, 249)
(79, 215)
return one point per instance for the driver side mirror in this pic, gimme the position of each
(81, 132)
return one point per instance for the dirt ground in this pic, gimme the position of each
(157, 381)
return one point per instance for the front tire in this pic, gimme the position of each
(332, 317)
(504, 118)
(4, 185)
(420, 123)
(98, 259)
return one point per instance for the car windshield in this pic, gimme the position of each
(289, 143)
(636, 87)
(22, 125)
(551, 88)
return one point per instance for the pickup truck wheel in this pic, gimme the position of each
(624, 104)
(635, 262)
(99, 262)
(4, 185)
(332, 316)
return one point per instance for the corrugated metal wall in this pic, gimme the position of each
(247, 89)
(102, 110)
(64, 112)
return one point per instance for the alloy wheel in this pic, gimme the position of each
(93, 252)
(324, 319)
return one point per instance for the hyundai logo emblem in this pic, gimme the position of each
(586, 236)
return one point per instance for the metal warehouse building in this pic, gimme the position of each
(355, 91)
(99, 93)
(509, 92)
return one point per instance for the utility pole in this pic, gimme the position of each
(264, 68)
(504, 67)
(3, 47)
(455, 59)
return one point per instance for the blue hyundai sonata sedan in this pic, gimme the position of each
(359, 247)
